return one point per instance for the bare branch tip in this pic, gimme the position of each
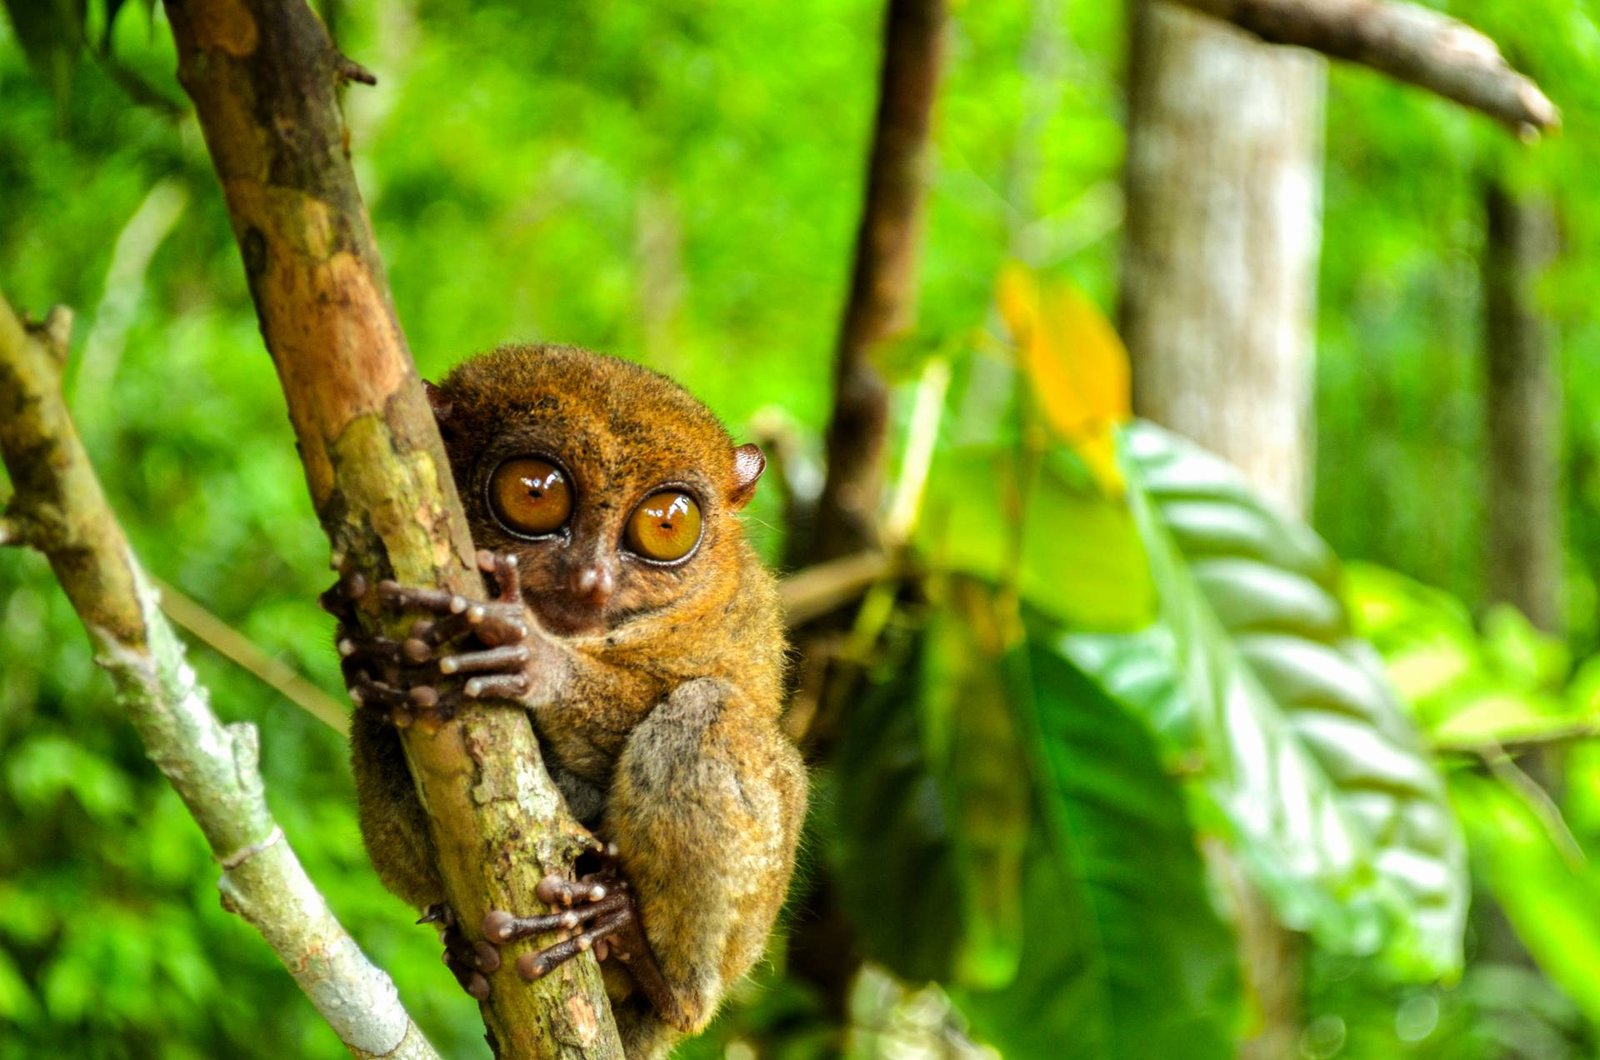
(349, 70)
(55, 331)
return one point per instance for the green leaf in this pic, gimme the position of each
(1467, 689)
(1550, 904)
(974, 750)
(935, 805)
(1304, 749)
(1006, 828)
(983, 522)
(1124, 956)
(893, 853)
(51, 35)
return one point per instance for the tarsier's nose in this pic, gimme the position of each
(593, 583)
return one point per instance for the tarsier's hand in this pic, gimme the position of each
(456, 649)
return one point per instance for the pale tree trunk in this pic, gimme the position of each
(1223, 182)
(1522, 405)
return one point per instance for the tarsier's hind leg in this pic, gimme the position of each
(705, 809)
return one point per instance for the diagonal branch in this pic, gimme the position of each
(1405, 41)
(263, 75)
(60, 509)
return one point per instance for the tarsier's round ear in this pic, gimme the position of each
(748, 464)
(440, 404)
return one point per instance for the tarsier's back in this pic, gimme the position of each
(638, 628)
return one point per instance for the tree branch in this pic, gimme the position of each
(213, 767)
(883, 283)
(812, 592)
(263, 75)
(1518, 745)
(1405, 41)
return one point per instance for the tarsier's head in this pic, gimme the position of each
(615, 489)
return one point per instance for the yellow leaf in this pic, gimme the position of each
(1075, 363)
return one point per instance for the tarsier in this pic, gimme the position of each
(638, 628)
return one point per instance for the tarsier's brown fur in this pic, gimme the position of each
(657, 709)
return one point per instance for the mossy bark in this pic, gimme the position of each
(264, 78)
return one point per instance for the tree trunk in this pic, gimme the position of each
(1223, 184)
(883, 281)
(1522, 405)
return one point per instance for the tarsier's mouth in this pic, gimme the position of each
(559, 615)
(566, 619)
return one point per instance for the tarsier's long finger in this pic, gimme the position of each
(496, 624)
(339, 600)
(357, 651)
(501, 926)
(434, 601)
(558, 890)
(496, 660)
(425, 701)
(468, 961)
(366, 692)
(534, 965)
(497, 686)
(507, 575)
(633, 950)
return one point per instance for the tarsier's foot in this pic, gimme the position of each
(459, 649)
(595, 912)
(469, 962)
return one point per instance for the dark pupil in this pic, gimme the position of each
(666, 514)
(537, 487)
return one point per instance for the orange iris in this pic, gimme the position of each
(665, 526)
(530, 496)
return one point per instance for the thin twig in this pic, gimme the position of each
(1405, 41)
(1539, 802)
(214, 768)
(921, 439)
(248, 656)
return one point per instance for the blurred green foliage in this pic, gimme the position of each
(1020, 791)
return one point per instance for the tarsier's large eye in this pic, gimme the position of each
(665, 526)
(530, 496)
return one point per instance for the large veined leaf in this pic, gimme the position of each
(1299, 741)
(1007, 828)
(1123, 954)
(934, 803)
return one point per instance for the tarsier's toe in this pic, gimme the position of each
(595, 913)
(468, 961)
